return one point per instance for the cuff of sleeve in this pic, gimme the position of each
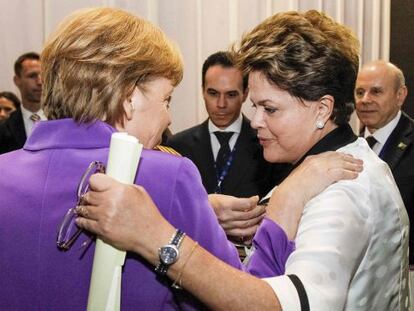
(286, 292)
(271, 250)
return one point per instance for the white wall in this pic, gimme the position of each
(200, 27)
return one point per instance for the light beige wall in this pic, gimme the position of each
(200, 27)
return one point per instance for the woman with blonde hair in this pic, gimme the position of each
(104, 70)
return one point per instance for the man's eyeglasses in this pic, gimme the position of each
(68, 230)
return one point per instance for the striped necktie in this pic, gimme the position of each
(35, 117)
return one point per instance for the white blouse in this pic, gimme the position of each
(352, 244)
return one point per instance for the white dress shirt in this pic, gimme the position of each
(381, 135)
(234, 127)
(28, 123)
(352, 244)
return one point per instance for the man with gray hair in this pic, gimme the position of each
(380, 92)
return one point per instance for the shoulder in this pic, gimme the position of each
(407, 117)
(373, 165)
(7, 137)
(192, 133)
(5, 128)
(16, 118)
(172, 162)
(374, 187)
(167, 149)
(405, 126)
(13, 123)
(163, 175)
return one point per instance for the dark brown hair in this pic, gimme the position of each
(307, 54)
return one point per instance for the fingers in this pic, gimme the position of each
(101, 182)
(257, 211)
(241, 216)
(343, 174)
(340, 165)
(349, 162)
(81, 211)
(87, 211)
(242, 233)
(88, 224)
(333, 155)
(254, 200)
(345, 167)
(242, 224)
(98, 183)
(242, 204)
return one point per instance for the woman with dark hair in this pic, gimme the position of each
(8, 104)
(352, 240)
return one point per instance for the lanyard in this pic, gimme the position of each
(224, 171)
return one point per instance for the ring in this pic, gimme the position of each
(82, 211)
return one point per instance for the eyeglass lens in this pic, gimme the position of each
(68, 230)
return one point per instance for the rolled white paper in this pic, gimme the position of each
(105, 288)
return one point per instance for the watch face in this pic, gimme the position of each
(168, 254)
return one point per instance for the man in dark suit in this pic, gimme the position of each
(243, 172)
(379, 94)
(15, 130)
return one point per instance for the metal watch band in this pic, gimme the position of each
(176, 241)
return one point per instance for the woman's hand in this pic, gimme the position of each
(310, 178)
(239, 217)
(124, 216)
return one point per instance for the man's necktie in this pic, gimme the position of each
(371, 141)
(35, 117)
(224, 151)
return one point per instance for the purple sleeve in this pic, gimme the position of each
(271, 250)
(195, 216)
(192, 213)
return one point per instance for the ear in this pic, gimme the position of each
(325, 107)
(203, 92)
(401, 95)
(16, 81)
(245, 93)
(128, 108)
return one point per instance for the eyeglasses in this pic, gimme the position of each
(68, 230)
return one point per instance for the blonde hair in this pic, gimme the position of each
(96, 57)
(307, 54)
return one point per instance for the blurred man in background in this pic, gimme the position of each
(14, 132)
(380, 93)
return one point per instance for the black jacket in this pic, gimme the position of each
(249, 173)
(12, 133)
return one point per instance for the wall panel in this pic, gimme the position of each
(200, 27)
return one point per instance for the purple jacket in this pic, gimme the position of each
(37, 187)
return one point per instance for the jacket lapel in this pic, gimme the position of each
(245, 150)
(203, 155)
(400, 139)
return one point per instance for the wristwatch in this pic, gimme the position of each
(169, 253)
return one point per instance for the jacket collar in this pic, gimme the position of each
(338, 138)
(398, 142)
(66, 133)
